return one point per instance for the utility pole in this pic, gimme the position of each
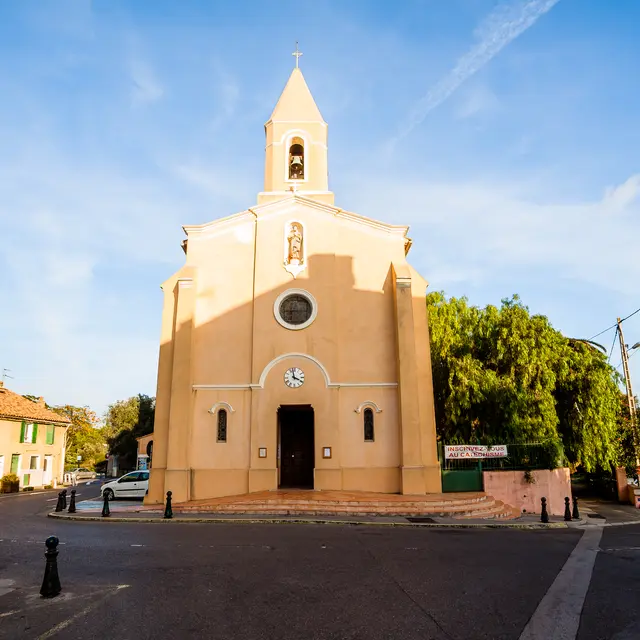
(627, 379)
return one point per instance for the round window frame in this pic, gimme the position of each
(290, 292)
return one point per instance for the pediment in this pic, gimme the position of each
(288, 205)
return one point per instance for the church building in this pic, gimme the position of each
(295, 346)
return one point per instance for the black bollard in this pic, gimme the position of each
(544, 515)
(72, 502)
(567, 510)
(576, 513)
(59, 503)
(168, 511)
(51, 582)
(106, 512)
(64, 499)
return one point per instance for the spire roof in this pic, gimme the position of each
(296, 104)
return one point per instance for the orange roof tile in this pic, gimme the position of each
(15, 406)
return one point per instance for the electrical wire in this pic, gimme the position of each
(613, 326)
(613, 344)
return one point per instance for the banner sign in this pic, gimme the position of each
(475, 451)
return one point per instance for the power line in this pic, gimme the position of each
(613, 344)
(613, 326)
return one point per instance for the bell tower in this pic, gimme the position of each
(296, 145)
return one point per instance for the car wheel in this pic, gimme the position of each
(109, 493)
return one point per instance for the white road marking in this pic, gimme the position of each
(65, 623)
(558, 614)
(9, 613)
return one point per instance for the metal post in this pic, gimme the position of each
(567, 510)
(544, 515)
(168, 511)
(106, 512)
(59, 503)
(64, 499)
(72, 502)
(51, 582)
(576, 513)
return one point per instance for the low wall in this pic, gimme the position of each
(512, 489)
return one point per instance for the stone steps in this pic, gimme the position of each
(477, 507)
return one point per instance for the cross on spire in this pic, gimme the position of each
(297, 53)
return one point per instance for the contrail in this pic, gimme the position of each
(503, 25)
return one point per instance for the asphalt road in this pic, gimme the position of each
(304, 581)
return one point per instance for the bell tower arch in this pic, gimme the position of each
(296, 146)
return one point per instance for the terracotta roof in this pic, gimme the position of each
(14, 406)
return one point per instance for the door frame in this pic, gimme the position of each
(294, 407)
(47, 475)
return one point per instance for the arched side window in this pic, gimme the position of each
(368, 425)
(296, 159)
(222, 425)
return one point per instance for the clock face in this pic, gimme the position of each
(294, 377)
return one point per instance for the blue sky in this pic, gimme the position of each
(505, 133)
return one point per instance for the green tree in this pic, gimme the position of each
(83, 436)
(504, 375)
(125, 421)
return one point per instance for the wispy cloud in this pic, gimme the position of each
(498, 228)
(503, 25)
(478, 100)
(227, 93)
(146, 87)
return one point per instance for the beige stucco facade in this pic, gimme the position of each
(226, 344)
(32, 440)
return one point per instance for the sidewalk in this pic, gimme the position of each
(90, 510)
(612, 512)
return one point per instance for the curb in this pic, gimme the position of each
(441, 525)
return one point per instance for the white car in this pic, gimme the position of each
(130, 485)
(83, 474)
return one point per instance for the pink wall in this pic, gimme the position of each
(511, 488)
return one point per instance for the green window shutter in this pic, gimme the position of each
(22, 430)
(35, 433)
(51, 430)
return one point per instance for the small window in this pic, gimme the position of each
(33, 463)
(144, 475)
(296, 309)
(222, 425)
(368, 425)
(29, 433)
(131, 477)
(47, 461)
(51, 434)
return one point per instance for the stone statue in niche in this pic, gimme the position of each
(294, 261)
(295, 243)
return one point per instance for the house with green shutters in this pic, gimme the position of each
(32, 440)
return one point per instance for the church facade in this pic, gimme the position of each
(295, 345)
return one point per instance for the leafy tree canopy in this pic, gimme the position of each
(84, 437)
(502, 375)
(125, 421)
